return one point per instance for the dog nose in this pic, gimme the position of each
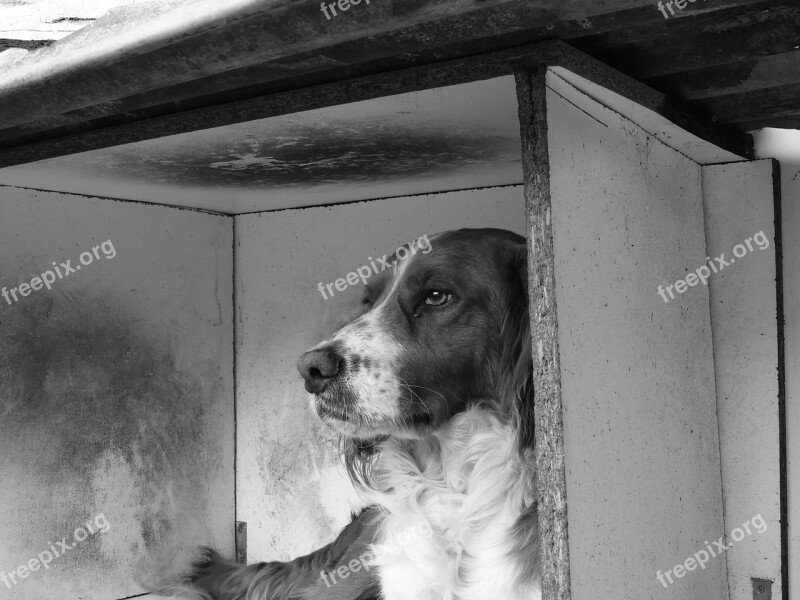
(319, 367)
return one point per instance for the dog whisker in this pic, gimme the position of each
(422, 387)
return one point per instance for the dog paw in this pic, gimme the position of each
(217, 578)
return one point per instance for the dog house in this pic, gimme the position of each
(190, 211)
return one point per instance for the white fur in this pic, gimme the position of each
(377, 389)
(451, 501)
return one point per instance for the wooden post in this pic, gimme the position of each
(544, 333)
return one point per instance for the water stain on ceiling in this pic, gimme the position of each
(307, 154)
(434, 140)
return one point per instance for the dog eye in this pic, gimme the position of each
(438, 298)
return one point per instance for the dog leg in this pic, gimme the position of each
(334, 572)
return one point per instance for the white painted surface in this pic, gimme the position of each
(116, 392)
(739, 204)
(51, 19)
(785, 146)
(640, 426)
(291, 490)
(653, 123)
(458, 137)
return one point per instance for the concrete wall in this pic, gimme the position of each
(739, 204)
(115, 392)
(640, 424)
(291, 490)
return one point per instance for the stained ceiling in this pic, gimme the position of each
(463, 136)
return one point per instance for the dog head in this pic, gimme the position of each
(439, 331)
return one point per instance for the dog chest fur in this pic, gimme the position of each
(460, 516)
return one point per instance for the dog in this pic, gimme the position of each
(431, 391)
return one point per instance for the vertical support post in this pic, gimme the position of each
(549, 440)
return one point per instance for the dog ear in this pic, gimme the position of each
(516, 362)
(359, 456)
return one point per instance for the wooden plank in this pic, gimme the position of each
(641, 452)
(667, 132)
(290, 38)
(489, 29)
(738, 108)
(736, 77)
(739, 203)
(191, 41)
(696, 123)
(385, 84)
(126, 369)
(629, 32)
(711, 39)
(783, 146)
(548, 417)
(788, 121)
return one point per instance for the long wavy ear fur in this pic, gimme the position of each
(358, 457)
(516, 376)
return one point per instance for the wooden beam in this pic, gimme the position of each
(693, 121)
(735, 77)
(710, 39)
(548, 407)
(739, 108)
(446, 73)
(790, 121)
(196, 40)
(187, 54)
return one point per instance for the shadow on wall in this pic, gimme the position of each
(94, 418)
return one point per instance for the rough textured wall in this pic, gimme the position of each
(291, 490)
(640, 423)
(116, 402)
